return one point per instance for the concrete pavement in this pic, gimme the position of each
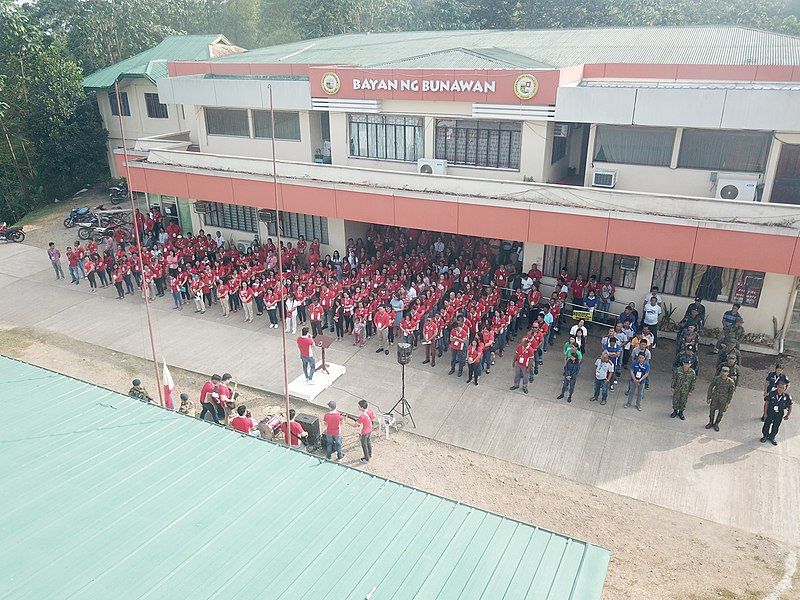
(727, 477)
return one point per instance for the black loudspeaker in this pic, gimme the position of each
(310, 425)
(403, 353)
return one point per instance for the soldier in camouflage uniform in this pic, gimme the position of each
(733, 369)
(726, 350)
(719, 397)
(683, 381)
(138, 392)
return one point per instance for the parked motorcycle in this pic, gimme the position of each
(98, 233)
(11, 234)
(118, 193)
(80, 215)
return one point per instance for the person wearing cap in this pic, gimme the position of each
(683, 382)
(727, 350)
(689, 353)
(209, 396)
(733, 369)
(699, 307)
(138, 392)
(333, 432)
(777, 408)
(718, 397)
(773, 379)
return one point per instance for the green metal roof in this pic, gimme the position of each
(556, 47)
(152, 63)
(106, 497)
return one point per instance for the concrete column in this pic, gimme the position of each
(644, 279)
(339, 138)
(587, 178)
(336, 237)
(532, 253)
(355, 230)
(771, 169)
(429, 150)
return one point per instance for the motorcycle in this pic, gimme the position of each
(98, 233)
(118, 193)
(80, 215)
(11, 234)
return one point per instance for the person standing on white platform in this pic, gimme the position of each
(306, 345)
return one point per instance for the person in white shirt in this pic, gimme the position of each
(219, 240)
(651, 316)
(653, 293)
(438, 246)
(411, 294)
(291, 314)
(526, 283)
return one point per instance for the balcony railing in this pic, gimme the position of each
(581, 200)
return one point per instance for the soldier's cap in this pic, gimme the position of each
(730, 357)
(725, 370)
(136, 383)
(698, 299)
(686, 360)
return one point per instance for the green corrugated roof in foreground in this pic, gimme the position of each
(105, 497)
(152, 63)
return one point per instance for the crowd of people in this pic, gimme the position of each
(450, 294)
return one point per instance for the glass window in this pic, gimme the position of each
(634, 145)
(724, 150)
(287, 125)
(123, 100)
(717, 284)
(293, 225)
(231, 216)
(588, 263)
(392, 137)
(493, 144)
(559, 149)
(155, 110)
(227, 121)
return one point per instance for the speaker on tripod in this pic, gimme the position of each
(403, 358)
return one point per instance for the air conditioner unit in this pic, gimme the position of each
(432, 166)
(628, 263)
(561, 130)
(737, 187)
(267, 216)
(604, 179)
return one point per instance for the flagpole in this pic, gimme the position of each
(286, 436)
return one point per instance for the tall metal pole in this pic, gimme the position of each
(138, 243)
(287, 435)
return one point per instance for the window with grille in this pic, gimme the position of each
(588, 263)
(123, 101)
(231, 216)
(494, 144)
(724, 150)
(287, 125)
(391, 137)
(626, 145)
(293, 225)
(717, 284)
(155, 110)
(227, 121)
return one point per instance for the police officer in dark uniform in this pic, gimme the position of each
(772, 380)
(777, 408)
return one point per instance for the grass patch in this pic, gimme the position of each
(44, 211)
(13, 343)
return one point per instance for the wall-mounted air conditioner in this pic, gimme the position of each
(561, 130)
(432, 166)
(735, 186)
(604, 178)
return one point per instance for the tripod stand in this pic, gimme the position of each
(404, 405)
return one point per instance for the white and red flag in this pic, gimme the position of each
(169, 385)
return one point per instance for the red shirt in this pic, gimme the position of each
(305, 344)
(333, 422)
(242, 424)
(458, 332)
(297, 431)
(365, 420)
(523, 355)
(382, 320)
(577, 288)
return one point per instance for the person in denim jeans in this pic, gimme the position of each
(333, 432)
(603, 372)
(640, 371)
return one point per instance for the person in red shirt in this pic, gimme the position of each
(315, 314)
(430, 335)
(474, 360)
(243, 423)
(459, 335)
(522, 364)
(306, 345)
(487, 340)
(246, 298)
(364, 425)
(383, 320)
(333, 432)
(73, 260)
(209, 398)
(577, 289)
(295, 433)
(535, 273)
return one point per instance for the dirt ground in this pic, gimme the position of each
(656, 553)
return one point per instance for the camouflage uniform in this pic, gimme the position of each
(719, 397)
(724, 353)
(733, 373)
(140, 394)
(733, 336)
(682, 385)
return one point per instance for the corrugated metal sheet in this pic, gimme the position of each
(152, 63)
(105, 497)
(557, 47)
(461, 58)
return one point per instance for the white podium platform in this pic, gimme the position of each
(300, 388)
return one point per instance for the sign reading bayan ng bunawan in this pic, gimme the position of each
(491, 86)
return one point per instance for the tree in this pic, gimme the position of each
(319, 18)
